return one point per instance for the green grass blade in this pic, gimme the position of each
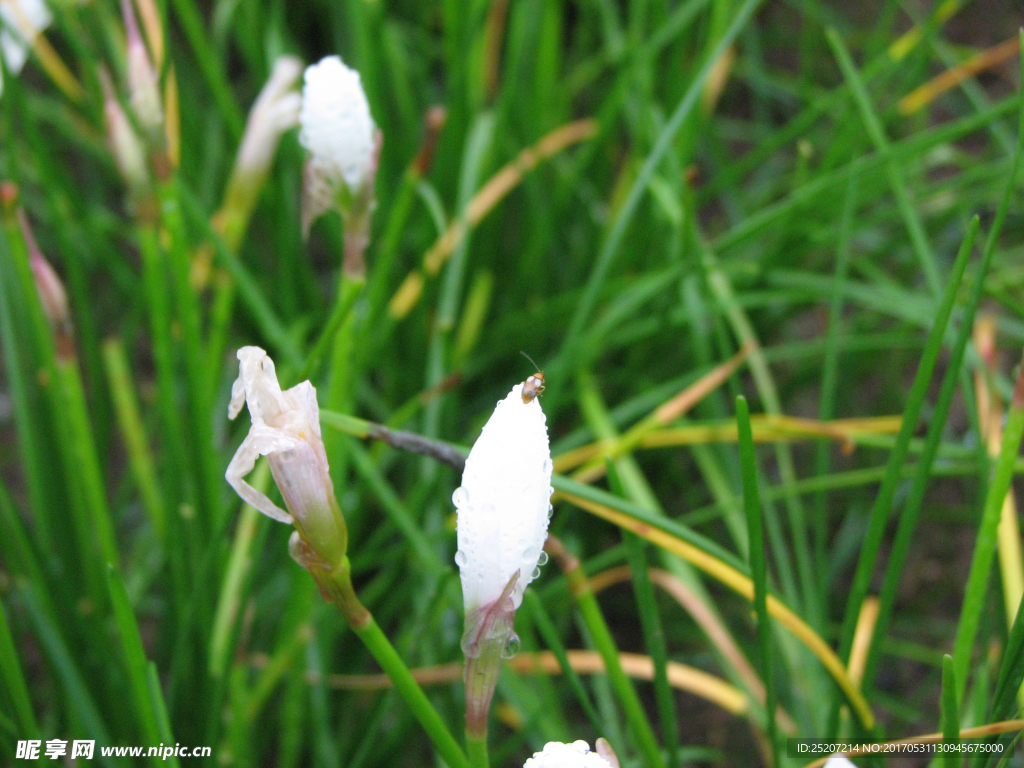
(159, 707)
(18, 704)
(596, 626)
(134, 656)
(650, 622)
(879, 513)
(910, 217)
(950, 711)
(67, 672)
(975, 593)
(549, 633)
(613, 241)
(903, 541)
(758, 567)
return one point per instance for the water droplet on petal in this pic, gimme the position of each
(470, 649)
(543, 559)
(511, 648)
(548, 466)
(530, 554)
(461, 559)
(535, 574)
(460, 498)
(551, 510)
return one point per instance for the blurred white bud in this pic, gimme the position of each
(503, 509)
(336, 125)
(124, 143)
(20, 22)
(274, 112)
(143, 80)
(558, 755)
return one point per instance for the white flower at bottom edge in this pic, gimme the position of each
(285, 429)
(558, 755)
(20, 22)
(838, 761)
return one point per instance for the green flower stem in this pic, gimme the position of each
(476, 746)
(342, 374)
(348, 292)
(605, 645)
(337, 587)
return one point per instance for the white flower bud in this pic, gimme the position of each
(143, 80)
(503, 505)
(20, 22)
(125, 145)
(558, 755)
(336, 125)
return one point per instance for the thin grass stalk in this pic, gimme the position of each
(154, 280)
(830, 364)
(650, 622)
(229, 602)
(134, 657)
(129, 419)
(675, 538)
(950, 712)
(722, 289)
(159, 707)
(915, 229)
(197, 416)
(758, 568)
(13, 679)
(879, 514)
(903, 541)
(210, 65)
(378, 645)
(31, 435)
(654, 640)
(60, 381)
(477, 147)
(601, 636)
(584, 309)
(984, 548)
(549, 634)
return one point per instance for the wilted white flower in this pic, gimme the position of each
(558, 755)
(20, 22)
(286, 429)
(503, 508)
(336, 125)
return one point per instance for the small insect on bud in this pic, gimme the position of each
(533, 386)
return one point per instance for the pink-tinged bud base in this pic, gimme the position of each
(488, 639)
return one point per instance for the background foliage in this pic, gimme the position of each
(752, 173)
